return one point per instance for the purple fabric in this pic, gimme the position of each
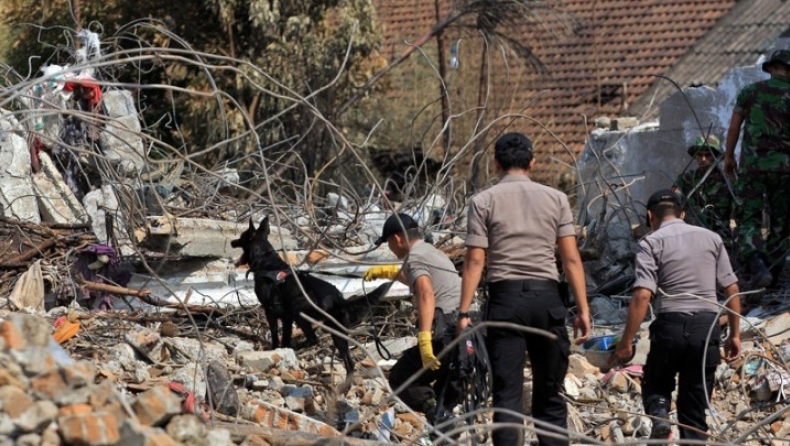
(110, 273)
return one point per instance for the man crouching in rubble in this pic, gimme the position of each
(682, 266)
(519, 223)
(436, 285)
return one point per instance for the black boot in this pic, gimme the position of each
(761, 275)
(658, 408)
(441, 418)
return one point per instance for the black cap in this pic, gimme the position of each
(396, 224)
(664, 196)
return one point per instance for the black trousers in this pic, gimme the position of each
(429, 384)
(537, 304)
(677, 344)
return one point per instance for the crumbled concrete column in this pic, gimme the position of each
(17, 197)
(56, 200)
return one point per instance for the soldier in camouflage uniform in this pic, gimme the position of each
(763, 180)
(708, 199)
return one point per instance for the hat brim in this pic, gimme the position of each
(379, 241)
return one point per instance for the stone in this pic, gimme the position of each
(7, 425)
(135, 434)
(263, 361)
(35, 330)
(36, 417)
(145, 341)
(187, 349)
(777, 328)
(155, 407)
(187, 429)
(243, 346)
(50, 385)
(14, 400)
(571, 386)
(56, 201)
(75, 409)
(192, 377)
(578, 366)
(619, 383)
(101, 204)
(50, 436)
(17, 197)
(221, 391)
(92, 429)
(219, 437)
(29, 440)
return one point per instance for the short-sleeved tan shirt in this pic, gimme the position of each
(519, 221)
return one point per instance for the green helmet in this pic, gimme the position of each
(710, 143)
(778, 56)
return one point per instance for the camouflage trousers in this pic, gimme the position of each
(759, 191)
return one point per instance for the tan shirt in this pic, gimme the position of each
(426, 260)
(519, 222)
(687, 263)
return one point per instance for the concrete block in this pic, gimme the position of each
(122, 144)
(777, 329)
(14, 400)
(188, 349)
(145, 341)
(17, 198)
(134, 434)
(91, 429)
(36, 417)
(268, 415)
(263, 361)
(99, 204)
(157, 406)
(188, 429)
(118, 103)
(56, 201)
(203, 237)
(578, 366)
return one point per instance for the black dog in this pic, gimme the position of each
(281, 297)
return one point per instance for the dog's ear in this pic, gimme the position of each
(264, 225)
(252, 225)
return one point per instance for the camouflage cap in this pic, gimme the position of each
(778, 56)
(710, 143)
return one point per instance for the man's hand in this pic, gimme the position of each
(581, 328)
(388, 272)
(622, 353)
(730, 166)
(732, 348)
(460, 325)
(429, 361)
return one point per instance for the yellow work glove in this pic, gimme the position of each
(426, 351)
(382, 272)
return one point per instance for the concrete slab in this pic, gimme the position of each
(17, 198)
(56, 201)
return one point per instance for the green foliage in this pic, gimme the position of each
(263, 55)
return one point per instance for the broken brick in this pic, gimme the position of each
(90, 429)
(155, 407)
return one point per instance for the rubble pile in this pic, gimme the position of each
(116, 381)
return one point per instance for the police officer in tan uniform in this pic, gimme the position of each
(521, 224)
(679, 267)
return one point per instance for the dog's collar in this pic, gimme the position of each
(277, 276)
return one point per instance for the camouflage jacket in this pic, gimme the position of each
(711, 204)
(765, 107)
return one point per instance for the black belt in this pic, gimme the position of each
(505, 286)
(701, 316)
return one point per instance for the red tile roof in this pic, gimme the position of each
(611, 51)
